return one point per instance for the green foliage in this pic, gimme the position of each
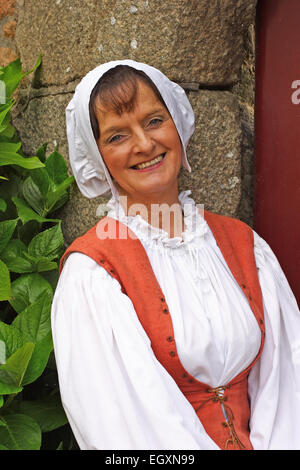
(31, 245)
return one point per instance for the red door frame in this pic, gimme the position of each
(277, 133)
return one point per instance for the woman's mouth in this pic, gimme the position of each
(155, 163)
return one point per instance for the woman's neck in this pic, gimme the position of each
(162, 211)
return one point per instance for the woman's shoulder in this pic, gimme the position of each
(229, 227)
(78, 261)
(225, 219)
(81, 268)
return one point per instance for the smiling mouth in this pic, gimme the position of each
(153, 162)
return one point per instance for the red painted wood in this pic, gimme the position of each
(277, 133)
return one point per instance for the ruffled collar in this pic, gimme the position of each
(195, 225)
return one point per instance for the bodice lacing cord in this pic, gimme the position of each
(229, 416)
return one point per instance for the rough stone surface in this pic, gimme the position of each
(214, 152)
(245, 209)
(7, 55)
(245, 92)
(8, 22)
(9, 29)
(198, 40)
(7, 8)
(41, 118)
(63, 31)
(78, 215)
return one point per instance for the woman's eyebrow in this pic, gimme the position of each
(158, 110)
(113, 129)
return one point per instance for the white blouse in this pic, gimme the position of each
(115, 393)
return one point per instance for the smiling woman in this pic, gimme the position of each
(137, 139)
(166, 337)
(141, 149)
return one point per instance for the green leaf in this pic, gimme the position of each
(11, 188)
(5, 285)
(26, 290)
(33, 196)
(20, 432)
(34, 322)
(26, 213)
(11, 158)
(60, 202)
(48, 412)
(47, 243)
(4, 110)
(6, 129)
(9, 147)
(53, 196)
(13, 371)
(8, 382)
(14, 257)
(43, 264)
(37, 64)
(3, 204)
(41, 152)
(2, 352)
(1, 403)
(56, 167)
(7, 228)
(39, 359)
(11, 337)
(40, 263)
(42, 180)
(12, 74)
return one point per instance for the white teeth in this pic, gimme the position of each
(153, 162)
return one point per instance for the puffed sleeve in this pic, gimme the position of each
(274, 382)
(115, 393)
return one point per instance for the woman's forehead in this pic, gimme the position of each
(145, 101)
(123, 95)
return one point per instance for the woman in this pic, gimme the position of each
(171, 330)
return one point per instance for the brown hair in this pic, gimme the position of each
(117, 90)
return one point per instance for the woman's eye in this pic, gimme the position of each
(155, 122)
(115, 138)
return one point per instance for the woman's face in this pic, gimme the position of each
(141, 148)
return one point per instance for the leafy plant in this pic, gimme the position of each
(31, 243)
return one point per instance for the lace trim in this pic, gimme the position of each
(195, 225)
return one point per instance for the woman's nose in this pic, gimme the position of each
(143, 143)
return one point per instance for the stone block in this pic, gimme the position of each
(198, 40)
(214, 152)
(40, 118)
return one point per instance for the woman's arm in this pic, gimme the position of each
(115, 393)
(274, 382)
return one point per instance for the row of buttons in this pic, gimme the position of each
(170, 339)
(250, 300)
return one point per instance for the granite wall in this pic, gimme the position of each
(205, 45)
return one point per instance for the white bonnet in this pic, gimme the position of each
(90, 172)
